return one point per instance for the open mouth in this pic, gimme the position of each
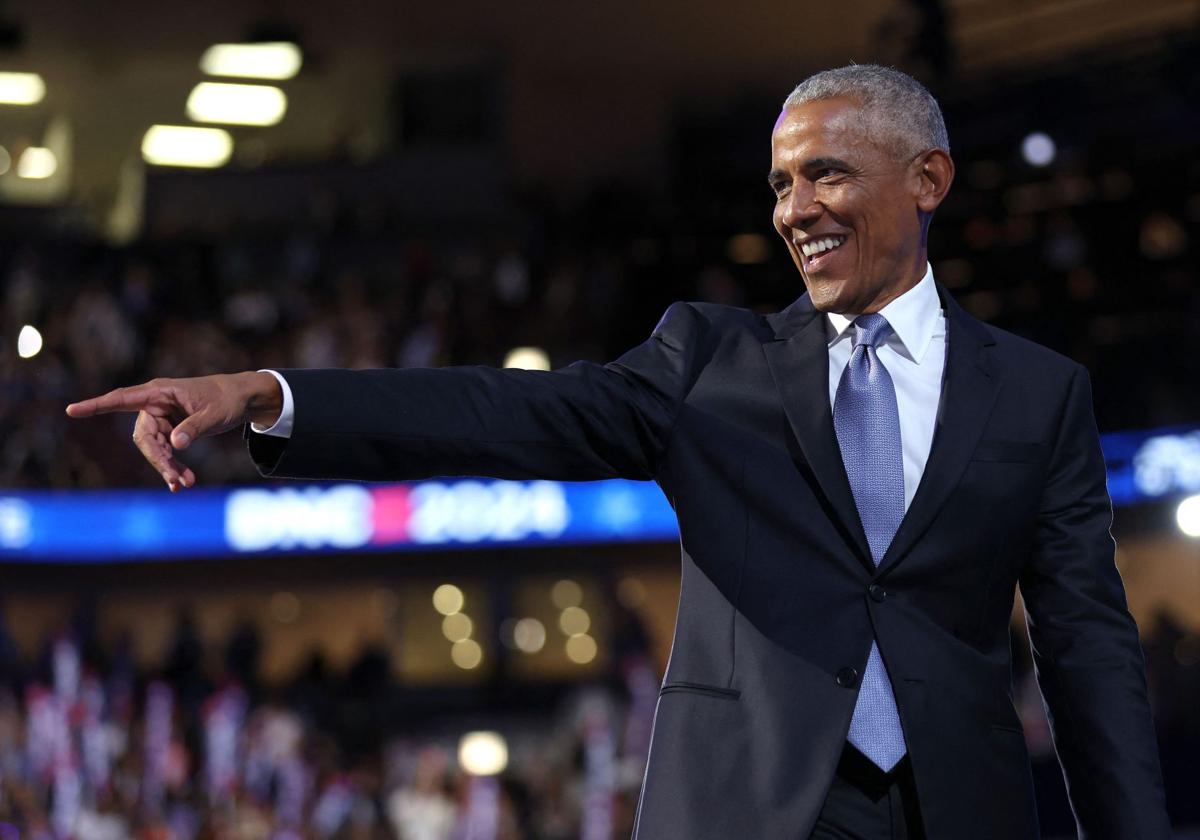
(818, 251)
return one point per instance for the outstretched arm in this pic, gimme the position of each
(583, 422)
(586, 421)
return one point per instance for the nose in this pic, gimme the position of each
(801, 208)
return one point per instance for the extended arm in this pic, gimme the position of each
(586, 421)
(1085, 644)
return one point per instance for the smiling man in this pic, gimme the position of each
(856, 189)
(862, 481)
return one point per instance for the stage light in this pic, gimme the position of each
(29, 342)
(1187, 515)
(529, 635)
(574, 621)
(183, 145)
(448, 599)
(566, 593)
(36, 163)
(21, 89)
(466, 654)
(456, 627)
(483, 753)
(277, 60)
(233, 104)
(5, 160)
(527, 358)
(1038, 149)
(581, 649)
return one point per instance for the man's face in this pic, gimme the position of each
(835, 186)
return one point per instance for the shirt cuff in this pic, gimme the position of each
(287, 417)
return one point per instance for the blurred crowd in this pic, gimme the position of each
(1073, 220)
(93, 747)
(349, 292)
(1094, 260)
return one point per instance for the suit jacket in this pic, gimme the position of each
(729, 412)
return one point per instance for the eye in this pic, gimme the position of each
(828, 173)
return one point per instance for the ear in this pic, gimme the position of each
(935, 171)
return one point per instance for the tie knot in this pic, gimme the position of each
(873, 329)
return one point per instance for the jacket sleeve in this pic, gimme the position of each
(1086, 651)
(586, 421)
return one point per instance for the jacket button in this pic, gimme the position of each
(847, 678)
(877, 592)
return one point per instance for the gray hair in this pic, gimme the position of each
(901, 113)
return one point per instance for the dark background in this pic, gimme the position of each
(452, 181)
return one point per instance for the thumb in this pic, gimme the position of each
(194, 426)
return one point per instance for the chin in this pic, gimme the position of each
(825, 299)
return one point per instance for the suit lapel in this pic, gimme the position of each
(798, 358)
(970, 386)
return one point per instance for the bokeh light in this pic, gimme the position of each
(1187, 516)
(566, 593)
(456, 627)
(448, 599)
(529, 635)
(29, 342)
(581, 649)
(483, 753)
(466, 654)
(574, 621)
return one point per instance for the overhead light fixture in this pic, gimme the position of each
(233, 104)
(184, 145)
(276, 60)
(21, 88)
(36, 163)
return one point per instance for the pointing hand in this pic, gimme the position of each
(174, 412)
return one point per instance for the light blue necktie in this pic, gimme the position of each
(867, 423)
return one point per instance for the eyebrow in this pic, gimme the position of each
(826, 163)
(777, 175)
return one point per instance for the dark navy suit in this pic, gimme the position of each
(729, 412)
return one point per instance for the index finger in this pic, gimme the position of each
(121, 399)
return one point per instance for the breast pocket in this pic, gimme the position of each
(718, 692)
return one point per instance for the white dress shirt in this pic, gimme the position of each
(914, 354)
(287, 414)
(915, 357)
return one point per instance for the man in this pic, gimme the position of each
(861, 482)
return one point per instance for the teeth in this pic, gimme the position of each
(818, 246)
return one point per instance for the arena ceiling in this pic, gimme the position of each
(604, 69)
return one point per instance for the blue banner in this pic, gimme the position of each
(324, 517)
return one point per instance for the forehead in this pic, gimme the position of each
(821, 128)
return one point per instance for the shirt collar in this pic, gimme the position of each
(913, 316)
